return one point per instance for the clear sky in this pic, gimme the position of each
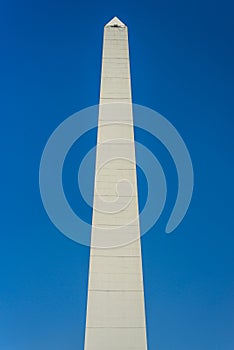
(182, 56)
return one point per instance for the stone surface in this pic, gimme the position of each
(115, 308)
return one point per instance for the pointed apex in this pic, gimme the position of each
(115, 22)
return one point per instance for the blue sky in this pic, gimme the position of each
(182, 56)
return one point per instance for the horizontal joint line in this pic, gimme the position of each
(117, 290)
(114, 327)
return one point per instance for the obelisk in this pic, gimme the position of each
(115, 318)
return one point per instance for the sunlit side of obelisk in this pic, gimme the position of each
(115, 318)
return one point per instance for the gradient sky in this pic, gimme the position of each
(182, 65)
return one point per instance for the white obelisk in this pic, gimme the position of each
(115, 317)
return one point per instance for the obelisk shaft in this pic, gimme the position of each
(115, 317)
